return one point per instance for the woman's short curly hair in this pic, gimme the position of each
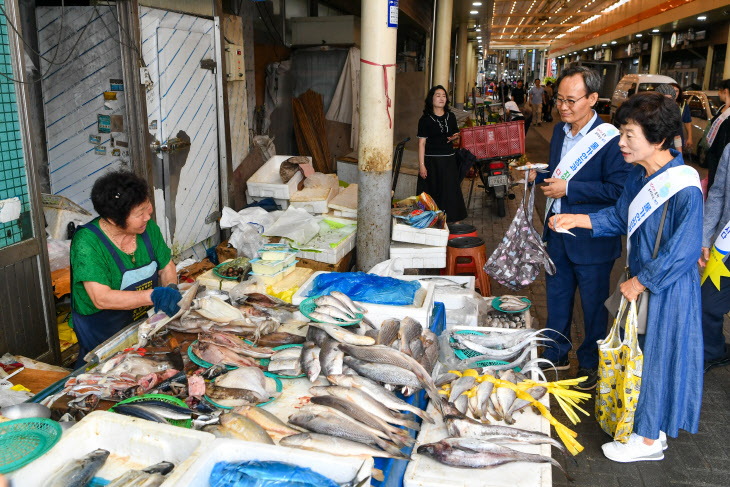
(116, 193)
(656, 114)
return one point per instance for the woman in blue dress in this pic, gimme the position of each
(671, 385)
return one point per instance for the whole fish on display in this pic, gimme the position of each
(78, 473)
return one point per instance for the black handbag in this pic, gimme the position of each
(613, 303)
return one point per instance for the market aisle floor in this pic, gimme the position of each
(698, 460)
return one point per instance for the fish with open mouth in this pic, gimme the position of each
(473, 453)
(342, 335)
(78, 473)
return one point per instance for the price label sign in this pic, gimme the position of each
(393, 13)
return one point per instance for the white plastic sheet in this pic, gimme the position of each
(247, 226)
(295, 224)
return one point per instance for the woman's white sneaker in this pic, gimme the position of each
(634, 450)
(663, 440)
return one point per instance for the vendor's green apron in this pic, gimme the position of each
(92, 330)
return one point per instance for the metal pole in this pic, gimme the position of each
(442, 50)
(708, 68)
(656, 47)
(376, 134)
(461, 69)
(225, 168)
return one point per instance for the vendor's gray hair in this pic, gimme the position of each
(591, 77)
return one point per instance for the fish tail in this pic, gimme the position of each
(410, 424)
(390, 448)
(423, 415)
(556, 463)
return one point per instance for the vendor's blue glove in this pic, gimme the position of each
(166, 299)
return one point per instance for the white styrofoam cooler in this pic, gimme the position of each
(282, 202)
(415, 256)
(423, 471)
(329, 255)
(267, 183)
(434, 237)
(133, 444)
(316, 207)
(420, 310)
(338, 469)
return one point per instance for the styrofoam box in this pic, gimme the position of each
(133, 444)
(267, 182)
(434, 237)
(316, 207)
(329, 255)
(282, 202)
(416, 256)
(346, 214)
(424, 471)
(338, 469)
(420, 310)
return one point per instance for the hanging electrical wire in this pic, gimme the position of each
(52, 62)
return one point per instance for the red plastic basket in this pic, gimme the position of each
(496, 140)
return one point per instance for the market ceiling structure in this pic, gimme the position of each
(561, 26)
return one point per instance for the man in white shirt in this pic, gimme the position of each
(536, 95)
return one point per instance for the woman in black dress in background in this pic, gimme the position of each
(438, 171)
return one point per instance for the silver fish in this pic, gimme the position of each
(317, 336)
(462, 403)
(386, 355)
(472, 453)
(245, 428)
(396, 435)
(342, 335)
(340, 427)
(335, 313)
(484, 390)
(331, 358)
(334, 446)
(389, 374)
(335, 303)
(310, 360)
(287, 353)
(409, 329)
(417, 350)
(152, 476)
(79, 473)
(468, 428)
(388, 332)
(323, 318)
(506, 396)
(379, 393)
(364, 400)
(345, 299)
(288, 364)
(461, 385)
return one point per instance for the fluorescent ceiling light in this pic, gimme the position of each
(604, 45)
(477, 4)
(474, 12)
(478, 29)
(639, 35)
(614, 42)
(702, 17)
(655, 30)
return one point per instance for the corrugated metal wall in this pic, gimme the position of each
(82, 127)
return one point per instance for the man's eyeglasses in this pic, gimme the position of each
(571, 103)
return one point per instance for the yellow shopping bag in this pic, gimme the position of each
(619, 376)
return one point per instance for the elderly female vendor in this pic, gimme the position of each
(671, 383)
(119, 263)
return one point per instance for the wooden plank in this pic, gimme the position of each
(37, 380)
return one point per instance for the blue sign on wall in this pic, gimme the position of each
(393, 13)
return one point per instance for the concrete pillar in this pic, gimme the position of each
(461, 66)
(656, 49)
(375, 150)
(708, 68)
(427, 66)
(469, 65)
(442, 54)
(726, 71)
(608, 54)
(543, 58)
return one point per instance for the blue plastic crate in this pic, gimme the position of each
(394, 470)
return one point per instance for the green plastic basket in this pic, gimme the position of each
(279, 387)
(307, 306)
(467, 354)
(24, 440)
(265, 362)
(183, 423)
(497, 302)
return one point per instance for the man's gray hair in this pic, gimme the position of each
(591, 78)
